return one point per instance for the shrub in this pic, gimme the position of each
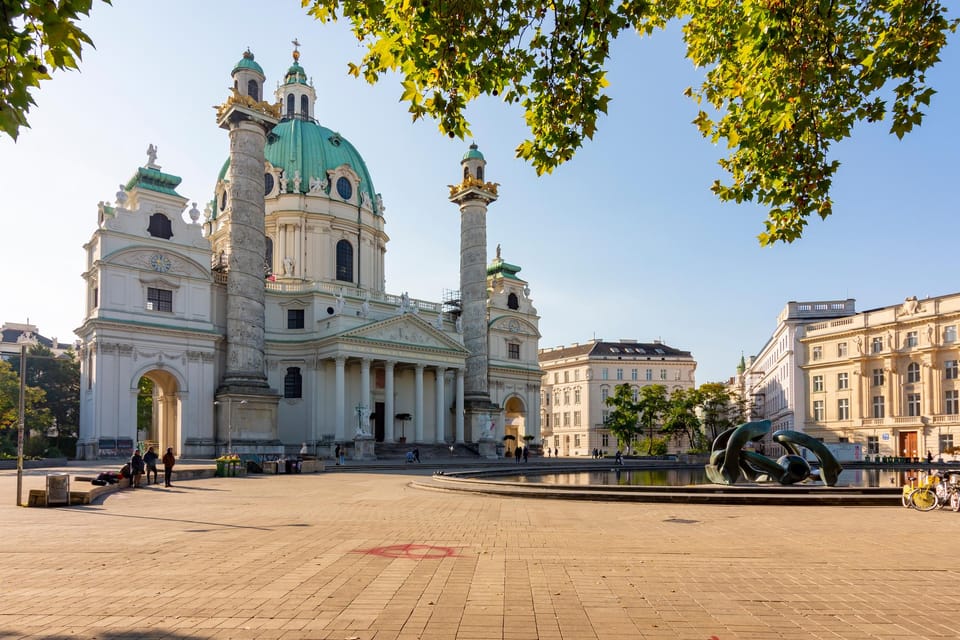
(659, 447)
(35, 446)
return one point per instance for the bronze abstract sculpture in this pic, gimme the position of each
(729, 462)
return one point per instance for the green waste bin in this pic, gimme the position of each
(221, 469)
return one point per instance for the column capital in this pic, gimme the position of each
(341, 360)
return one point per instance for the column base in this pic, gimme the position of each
(246, 421)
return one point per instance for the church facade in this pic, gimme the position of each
(264, 322)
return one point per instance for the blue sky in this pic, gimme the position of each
(624, 241)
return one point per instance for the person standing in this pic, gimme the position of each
(136, 469)
(336, 454)
(416, 454)
(526, 453)
(517, 453)
(168, 461)
(150, 459)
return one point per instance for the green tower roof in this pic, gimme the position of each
(473, 153)
(154, 180)
(295, 75)
(247, 62)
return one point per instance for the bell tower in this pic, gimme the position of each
(472, 196)
(247, 405)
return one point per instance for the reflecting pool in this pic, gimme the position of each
(697, 475)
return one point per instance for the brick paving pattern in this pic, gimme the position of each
(364, 556)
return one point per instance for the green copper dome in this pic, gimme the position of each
(296, 144)
(295, 75)
(247, 62)
(473, 153)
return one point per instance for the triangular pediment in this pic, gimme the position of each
(406, 330)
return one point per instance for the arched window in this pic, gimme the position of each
(304, 106)
(291, 105)
(345, 261)
(253, 90)
(160, 226)
(268, 257)
(512, 302)
(913, 372)
(293, 383)
(479, 173)
(466, 172)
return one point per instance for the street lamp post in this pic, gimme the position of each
(24, 340)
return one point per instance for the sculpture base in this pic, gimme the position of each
(363, 448)
(247, 422)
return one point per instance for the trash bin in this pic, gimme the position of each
(221, 468)
(282, 466)
(288, 465)
(58, 489)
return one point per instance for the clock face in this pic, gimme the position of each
(160, 263)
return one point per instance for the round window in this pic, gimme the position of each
(267, 183)
(344, 188)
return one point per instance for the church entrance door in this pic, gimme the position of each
(378, 422)
(158, 412)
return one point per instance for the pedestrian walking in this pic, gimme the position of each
(150, 459)
(136, 469)
(517, 453)
(556, 452)
(416, 454)
(343, 455)
(526, 453)
(168, 461)
(336, 455)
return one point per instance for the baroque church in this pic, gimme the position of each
(264, 322)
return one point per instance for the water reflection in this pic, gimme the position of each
(683, 477)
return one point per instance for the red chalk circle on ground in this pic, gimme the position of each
(410, 551)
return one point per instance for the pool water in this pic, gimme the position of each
(694, 476)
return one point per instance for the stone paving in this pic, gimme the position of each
(364, 556)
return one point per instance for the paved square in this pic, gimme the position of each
(362, 556)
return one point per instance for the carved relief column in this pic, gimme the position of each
(418, 404)
(340, 399)
(388, 407)
(365, 391)
(458, 411)
(441, 425)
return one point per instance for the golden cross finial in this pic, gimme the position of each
(296, 48)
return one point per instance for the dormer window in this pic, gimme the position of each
(160, 226)
(344, 188)
(253, 90)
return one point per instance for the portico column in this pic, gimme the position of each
(298, 242)
(365, 390)
(281, 248)
(388, 400)
(340, 393)
(441, 427)
(458, 412)
(418, 404)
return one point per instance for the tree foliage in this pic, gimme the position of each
(652, 404)
(36, 38)
(622, 419)
(681, 421)
(783, 80)
(59, 377)
(720, 408)
(36, 415)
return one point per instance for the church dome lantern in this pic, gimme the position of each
(296, 95)
(248, 77)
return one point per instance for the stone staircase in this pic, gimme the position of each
(386, 451)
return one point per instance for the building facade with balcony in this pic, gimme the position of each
(578, 379)
(887, 378)
(772, 380)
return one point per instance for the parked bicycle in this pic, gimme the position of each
(948, 491)
(923, 496)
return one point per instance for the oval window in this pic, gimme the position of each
(344, 188)
(267, 183)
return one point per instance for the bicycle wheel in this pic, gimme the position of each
(955, 501)
(923, 499)
(905, 498)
